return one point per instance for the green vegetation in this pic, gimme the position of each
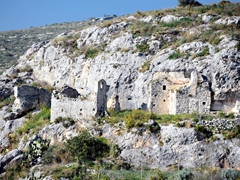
(204, 52)
(229, 174)
(189, 2)
(85, 148)
(35, 122)
(13, 44)
(91, 53)
(175, 55)
(145, 67)
(66, 122)
(203, 131)
(234, 133)
(137, 118)
(143, 47)
(7, 101)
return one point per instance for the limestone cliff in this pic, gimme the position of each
(158, 62)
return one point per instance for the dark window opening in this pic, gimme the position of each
(164, 100)
(80, 109)
(203, 103)
(164, 87)
(129, 98)
(80, 114)
(93, 109)
(154, 105)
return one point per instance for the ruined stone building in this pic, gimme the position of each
(170, 93)
(69, 103)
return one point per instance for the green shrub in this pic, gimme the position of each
(229, 174)
(91, 53)
(35, 150)
(137, 118)
(153, 128)
(87, 148)
(184, 174)
(7, 101)
(221, 114)
(234, 133)
(204, 52)
(189, 2)
(143, 47)
(203, 130)
(66, 122)
(175, 55)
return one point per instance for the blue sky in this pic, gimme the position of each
(22, 14)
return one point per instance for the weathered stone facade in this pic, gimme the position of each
(69, 103)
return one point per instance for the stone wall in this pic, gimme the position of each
(77, 108)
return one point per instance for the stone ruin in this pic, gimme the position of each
(69, 103)
(169, 93)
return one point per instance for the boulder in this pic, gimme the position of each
(28, 98)
(169, 18)
(4, 160)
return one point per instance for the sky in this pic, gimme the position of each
(22, 14)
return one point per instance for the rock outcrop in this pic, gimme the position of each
(173, 146)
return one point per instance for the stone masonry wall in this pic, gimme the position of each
(75, 108)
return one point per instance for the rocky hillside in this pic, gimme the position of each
(14, 43)
(120, 80)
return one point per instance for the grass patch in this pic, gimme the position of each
(145, 67)
(203, 53)
(91, 53)
(35, 122)
(234, 133)
(7, 101)
(175, 55)
(66, 122)
(143, 47)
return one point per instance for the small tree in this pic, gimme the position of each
(87, 148)
(189, 2)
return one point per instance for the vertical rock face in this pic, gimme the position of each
(180, 85)
(174, 146)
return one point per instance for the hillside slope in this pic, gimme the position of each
(121, 79)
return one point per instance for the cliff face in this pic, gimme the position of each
(135, 67)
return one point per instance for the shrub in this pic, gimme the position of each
(136, 118)
(153, 128)
(229, 174)
(143, 47)
(87, 148)
(7, 101)
(184, 174)
(234, 133)
(35, 150)
(66, 122)
(189, 2)
(204, 52)
(175, 55)
(203, 130)
(145, 67)
(91, 53)
(221, 114)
